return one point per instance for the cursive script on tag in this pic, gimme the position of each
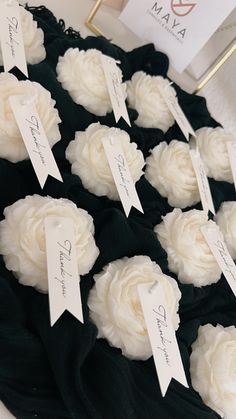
(202, 180)
(116, 91)
(121, 174)
(124, 182)
(161, 333)
(216, 242)
(114, 86)
(12, 42)
(226, 259)
(64, 256)
(63, 277)
(160, 314)
(12, 33)
(177, 112)
(34, 130)
(34, 138)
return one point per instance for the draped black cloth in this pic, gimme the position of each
(64, 371)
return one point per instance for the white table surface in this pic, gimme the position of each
(220, 92)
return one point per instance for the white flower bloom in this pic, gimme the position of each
(226, 220)
(212, 368)
(81, 74)
(169, 169)
(188, 253)
(144, 96)
(212, 146)
(33, 39)
(22, 238)
(87, 156)
(115, 306)
(11, 143)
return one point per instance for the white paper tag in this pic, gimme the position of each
(162, 337)
(114, 83)
(121, 174)
(174, 107)
(34, 138)
(63, 277)
(12, 43)
(202, 180)
(216, 242)
(231, 148)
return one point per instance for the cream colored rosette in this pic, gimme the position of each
(115, 306)
(11, 143)
(226, 220)
(81, 74)
(188, 253)
(87, 156)
(22, 238)
(144, 95)
(33, 38)
(213, 149)
(169, 169)
(212, 368)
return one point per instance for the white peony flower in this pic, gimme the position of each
(212, 368)
(11, 143)
(81, 73)
(212, 146)
(188, 253)
(22, 238)
(226, 220)
(116, 309)
(87, 156)
(33, 39)
(169, 169)
(144, 96)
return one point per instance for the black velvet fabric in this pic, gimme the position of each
(64, 371)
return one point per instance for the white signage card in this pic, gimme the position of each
(12, 43)
(216, 242)
(121, 174)
(63, 277)
(180, 28)
(202, 180)
(162, 337)
(177, 112)
(231, 148)
(34, 138)
(114, 85)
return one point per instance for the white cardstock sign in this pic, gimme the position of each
(231, 148)
(162, 337)
(216, 242)
(12, 43)
(121, 174)
(180, 28)
(177, 112)
(202, 180)
(114, 85)
(34, 138)
(63, 277)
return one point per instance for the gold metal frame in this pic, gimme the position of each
(89, 21)
(212, 71)
(216, 66)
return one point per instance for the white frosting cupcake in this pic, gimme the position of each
(144, 96)
(87, 156)
(169, 169)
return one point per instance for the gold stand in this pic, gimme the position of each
(215, 67)
(89, 20)
(206, 79)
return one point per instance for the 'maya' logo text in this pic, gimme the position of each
(168, 21)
